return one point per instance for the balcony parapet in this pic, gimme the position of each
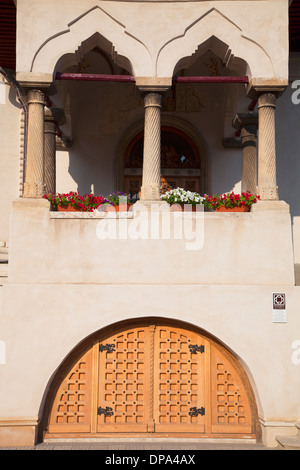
(147, 247)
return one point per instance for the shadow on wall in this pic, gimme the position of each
(89, 170)
(100, 114)
(288, 150)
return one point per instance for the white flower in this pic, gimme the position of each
(183, 196)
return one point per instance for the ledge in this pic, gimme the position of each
(91, 215)
(133, 213)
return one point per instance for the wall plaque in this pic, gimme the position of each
(279, 307)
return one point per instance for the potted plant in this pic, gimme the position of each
(230, 202)
(178, 197)
(74, 202)
(118, 201)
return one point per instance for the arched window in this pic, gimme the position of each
(180, 161)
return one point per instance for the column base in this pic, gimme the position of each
(151, 205)
(34, 190)
(276, 205)
(273, 429)
(18, 432)
(268, 193)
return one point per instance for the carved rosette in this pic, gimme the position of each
(34, 182)
(267, 186)
(150, 189)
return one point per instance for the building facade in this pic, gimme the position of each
(149, 323)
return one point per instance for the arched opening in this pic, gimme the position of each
(150, 377)
(234, 65)
(93, 115)
(183, 163)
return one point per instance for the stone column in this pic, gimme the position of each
(34, 176)
(267, 183)
(49, 151)
(247, 124)
(150, 190)
(249, 157)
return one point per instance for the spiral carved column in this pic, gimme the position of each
(49, 151)
(267, 184)
(34, 179)
(150, 190)
(249, 157)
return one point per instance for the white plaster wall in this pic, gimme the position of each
(154, 46)
(10, 122)
(43, 318)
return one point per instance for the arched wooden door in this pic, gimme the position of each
(151, 379)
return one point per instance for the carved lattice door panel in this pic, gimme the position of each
(124, 381)
(230, 411)
(71, 410)
(152, 378)
(179, 381)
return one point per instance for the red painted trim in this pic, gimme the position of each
(94, 77)
(131, 79)
(211, 80)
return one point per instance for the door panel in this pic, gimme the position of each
(230, 405)
(124, 382)
(152, 378)
(179, 381)
(71, 410)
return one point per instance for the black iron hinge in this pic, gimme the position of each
(194, 411)
(106, 347)
(194, 348)
(108, 411)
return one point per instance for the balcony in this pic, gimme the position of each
(150, 246)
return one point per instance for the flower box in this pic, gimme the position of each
(118, 202)
(180, 196)
(73, 202)
(233, 209)
(118, 208)
(183, 207)
(230, 202)
(68, 208)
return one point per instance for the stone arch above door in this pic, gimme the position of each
(150, 377)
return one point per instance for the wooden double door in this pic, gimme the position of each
(152, 379)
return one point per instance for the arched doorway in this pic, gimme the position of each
(150, 378)
(183, 161)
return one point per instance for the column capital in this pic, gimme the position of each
(247, 122)
(248, 135)
(54, 114)
(152, 99)
(35, 95)
(267, 99)
(48, 114)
